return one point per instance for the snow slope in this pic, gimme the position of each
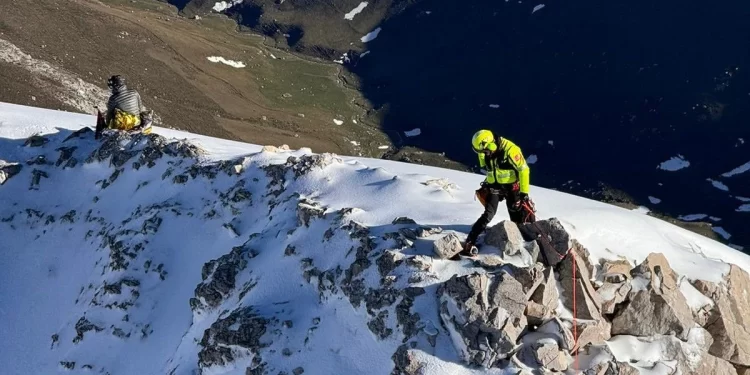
(100, 262)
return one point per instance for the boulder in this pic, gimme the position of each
(729, 320)
(559, 331)
(588, 301)
(447, 247)
(675, 356)
(80, 133)
(700, 305)
(656, 307)
(404, 362)
(66, 156)
(655, 268)
(307, 210)
(615, 271)
(389, 261)
(543, 299)
(708, 365)
(590, 332)
(546, 294)
(536, 314)
(306, 163)
(505, 236)
(613, 295)
(490, 262)
(484, 315)
(242, 328)
(8, 170)
(612, 368)
(36, 141)
(403, 220)
(553, 240)
(544, 354)
(36, 178)
(419, 232)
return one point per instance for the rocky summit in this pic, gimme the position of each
(268, 260)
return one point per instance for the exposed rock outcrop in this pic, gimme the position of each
(8, 170)
(729, 320)
(219, 277)
(588, 301)
(242, 328)
(613, 295)
(484, 315)
(447, 246)
(544, 354)
(656, 305)
(405, 362)
(307, 210)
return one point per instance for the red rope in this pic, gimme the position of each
(575, 328)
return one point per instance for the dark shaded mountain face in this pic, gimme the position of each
(600, 92)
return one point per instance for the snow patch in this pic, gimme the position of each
(383, 147)
(722, 232)
(338, 122)
(371, 35)
(674, 164)
(654, 200)
(718, 184)
(658, 354)
(413, 133)
(641, 210)
(356, 11)
(692, 217)
(741, 169)
(532, 159)
(67, 86)
(221, 6)
(232, 63)
(537, 8)
(354, 143)
(695, 299)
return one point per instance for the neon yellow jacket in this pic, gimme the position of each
(506, 166)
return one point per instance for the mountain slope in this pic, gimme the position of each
(156, 255)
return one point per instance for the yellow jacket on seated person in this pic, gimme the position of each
(124, 121)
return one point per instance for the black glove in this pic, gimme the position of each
(523, 199)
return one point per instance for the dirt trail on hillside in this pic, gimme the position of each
(165, 57)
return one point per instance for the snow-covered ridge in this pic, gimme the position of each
(210, 256)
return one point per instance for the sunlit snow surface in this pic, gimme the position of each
(44, 277)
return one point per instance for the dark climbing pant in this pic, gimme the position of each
(497, 193)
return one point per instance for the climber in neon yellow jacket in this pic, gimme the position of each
(507, 179)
